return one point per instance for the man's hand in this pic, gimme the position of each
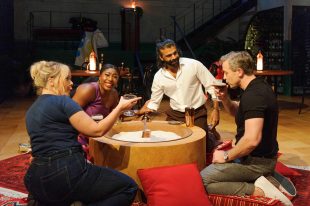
(215, 117)
(218, 156)
(144, 109)
(221, 92)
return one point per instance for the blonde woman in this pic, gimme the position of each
(59, 173)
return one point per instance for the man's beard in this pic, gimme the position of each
(173, 63)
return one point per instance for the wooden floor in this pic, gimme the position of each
(293, 130)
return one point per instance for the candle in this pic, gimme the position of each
(92, 61)
(259, 64)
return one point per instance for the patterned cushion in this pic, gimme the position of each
(232, 200)
(11, 201)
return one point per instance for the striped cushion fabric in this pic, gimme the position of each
(232, 200)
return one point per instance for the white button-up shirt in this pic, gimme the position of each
(186, 89)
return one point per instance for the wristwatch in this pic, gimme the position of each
(225, 156)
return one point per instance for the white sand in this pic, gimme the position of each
(156, 136)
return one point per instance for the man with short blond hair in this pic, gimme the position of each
(241, 170)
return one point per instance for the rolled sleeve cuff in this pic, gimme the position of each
(152, 106)
(211, 92)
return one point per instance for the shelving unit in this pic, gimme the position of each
(265, 33)
(274, 54)
(301, 49)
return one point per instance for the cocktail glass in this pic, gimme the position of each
(129, 113)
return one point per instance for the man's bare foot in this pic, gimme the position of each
(258, 192)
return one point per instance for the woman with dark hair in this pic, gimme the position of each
(98, 98)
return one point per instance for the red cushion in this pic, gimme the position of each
(226, 145)
(179, 185)
(286, 171)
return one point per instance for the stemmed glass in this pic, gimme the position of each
(97, 117)
(218, 73)
(219, 84)
(129, 113)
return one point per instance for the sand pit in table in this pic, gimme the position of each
(156, 136)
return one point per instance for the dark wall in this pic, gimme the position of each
(6, 42)
(301, 48)
(6, 25)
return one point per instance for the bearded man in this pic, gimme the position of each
(182, 79)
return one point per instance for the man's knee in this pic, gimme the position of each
(206, 177)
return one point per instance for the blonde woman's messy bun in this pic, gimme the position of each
(41, 71)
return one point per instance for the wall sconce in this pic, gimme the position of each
(92, 62)
(259, 63)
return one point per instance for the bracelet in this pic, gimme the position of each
(216, 109)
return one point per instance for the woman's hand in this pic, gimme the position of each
(126, 104)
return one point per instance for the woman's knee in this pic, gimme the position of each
(132, 187)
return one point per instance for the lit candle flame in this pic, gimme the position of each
(259, 64)
(133, 4)
(92, 61)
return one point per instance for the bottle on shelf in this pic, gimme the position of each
(101, 61)
(85, 63)
(124, 71)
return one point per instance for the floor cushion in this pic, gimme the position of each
(286, 171)
(179, 185)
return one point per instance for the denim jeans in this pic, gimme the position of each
(65, 177)
(236, 178)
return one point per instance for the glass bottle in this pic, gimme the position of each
(101, 61)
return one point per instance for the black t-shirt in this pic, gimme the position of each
(47, 122)
(258, 101)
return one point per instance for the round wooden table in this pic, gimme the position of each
(273, 72)
(128, 157)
